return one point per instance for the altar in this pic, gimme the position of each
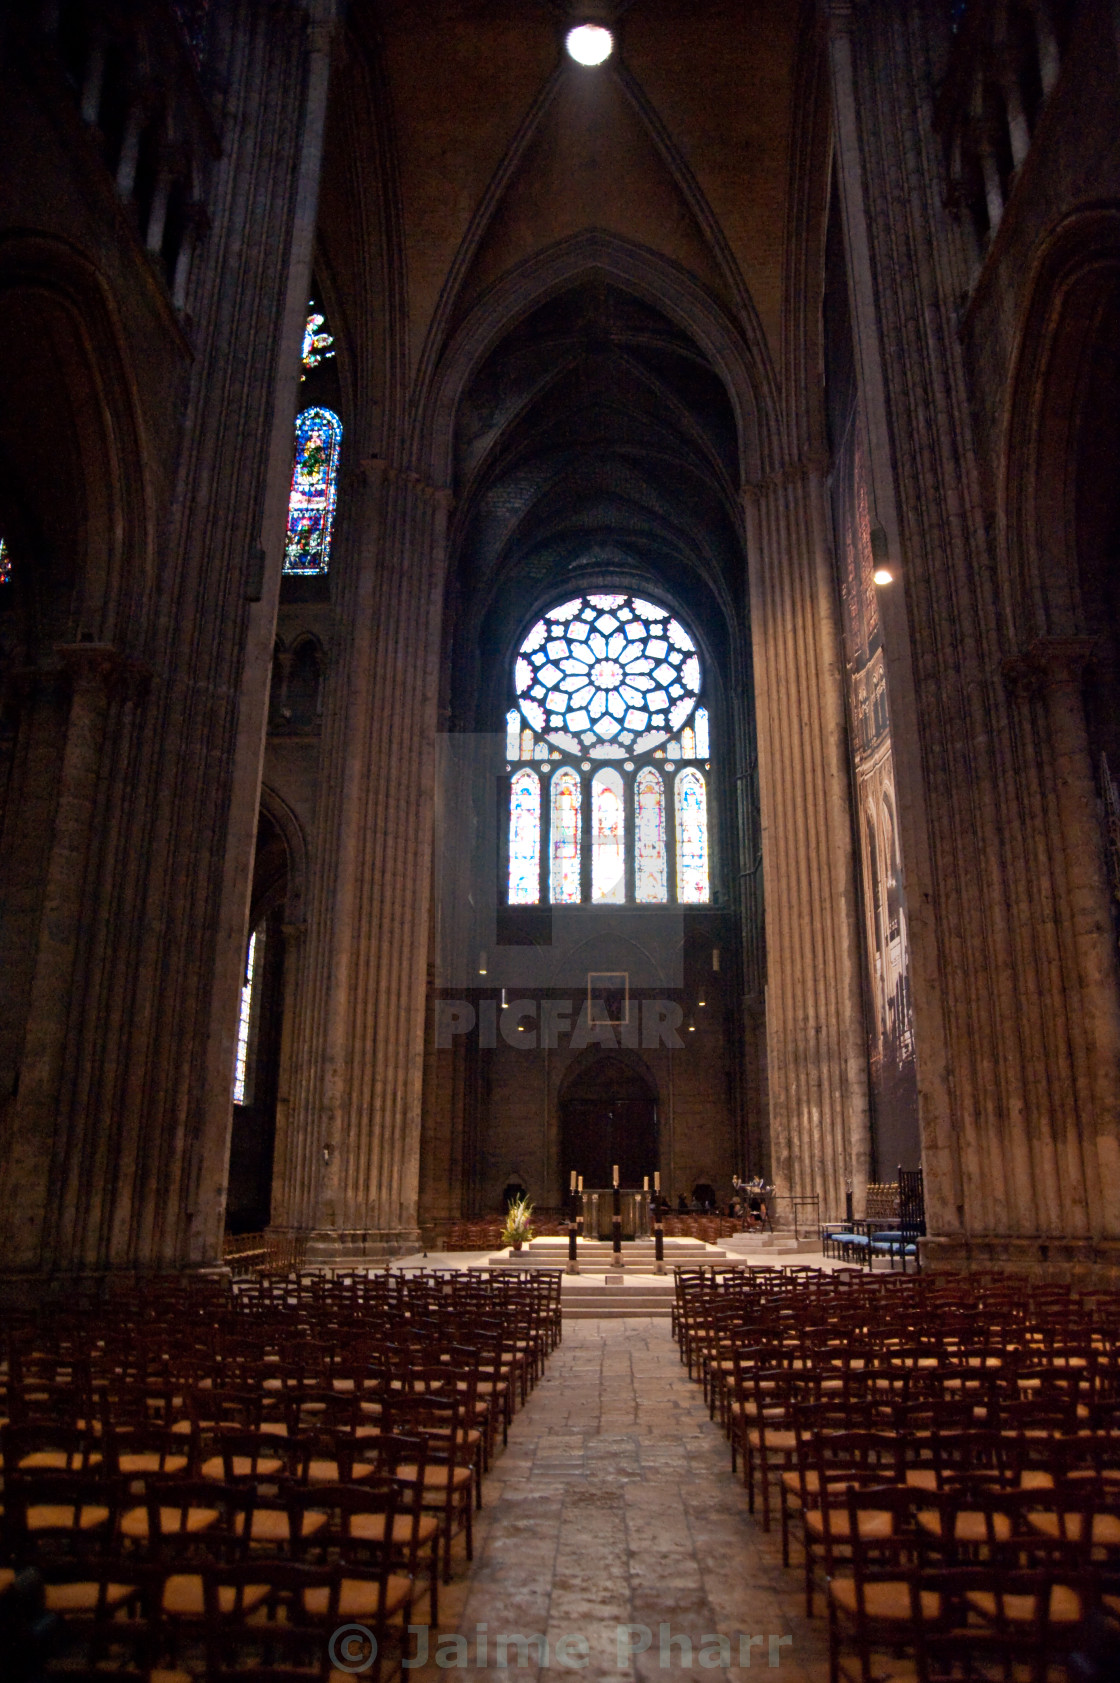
(598, 1211)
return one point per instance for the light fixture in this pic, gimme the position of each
(883, 575)
(590, 44)
(482, 964)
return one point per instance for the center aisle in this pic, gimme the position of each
(614, 1506)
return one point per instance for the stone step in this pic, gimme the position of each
(597, 1253)
(587, 1302)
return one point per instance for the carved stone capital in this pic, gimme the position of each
(374, 468)
(1049, 663)
(809, 465)
(94, 667)
(1061, 660)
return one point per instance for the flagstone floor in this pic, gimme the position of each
(612, 1517)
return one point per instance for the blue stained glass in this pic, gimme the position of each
(513, 734)
(314, 492)
(5, 563)
(692, 838)
(525, 839)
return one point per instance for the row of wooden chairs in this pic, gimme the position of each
(153, 1447)
(915, 1447)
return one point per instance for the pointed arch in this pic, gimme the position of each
(737, 351)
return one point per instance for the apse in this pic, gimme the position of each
(597, 497)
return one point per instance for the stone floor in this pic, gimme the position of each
(612, 1507)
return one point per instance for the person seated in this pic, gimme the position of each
(682, 1204)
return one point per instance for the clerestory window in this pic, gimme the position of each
(608, 755)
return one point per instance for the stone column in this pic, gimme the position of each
(256, 677)
(37, 1140)
(816, 1037)
(1088, 928)
(347, 1164)
(1015, 991)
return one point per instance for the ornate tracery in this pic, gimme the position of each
(608, 715)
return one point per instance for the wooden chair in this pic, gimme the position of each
(870, 1602)
(448, 1475)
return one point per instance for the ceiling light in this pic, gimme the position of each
(883, 575)
(590, 43)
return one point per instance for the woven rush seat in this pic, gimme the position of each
(882, 1600)
(361, 1597)
(184, 1595)
(134, 1521)
(1065, 1605)
(836, 1523)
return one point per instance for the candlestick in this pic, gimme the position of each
(657, 1180)
(645, 1183)
(572, 1182)
(579, 1183)
(614, 1175)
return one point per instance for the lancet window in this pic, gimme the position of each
(314, 491)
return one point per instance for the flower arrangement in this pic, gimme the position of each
(519, 1225)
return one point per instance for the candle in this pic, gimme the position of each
(579, 1187)
(614, 1173)
(657, 1180)
(645, 1183)
(572, 1183)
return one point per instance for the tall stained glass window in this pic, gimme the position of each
(609, 710)
(5, 563)
(314, 492)
(692, 838)
(566, 836)
(608, 837)
(651, 864)
(525, 839)
(241, 1093)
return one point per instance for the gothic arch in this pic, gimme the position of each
(1076, 281)
(738, 354)
(295, 843)
(67, 371)
(591, 1055)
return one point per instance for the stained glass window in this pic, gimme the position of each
(316, 341)
(692, 838)
(566, 835)
(525, 839)
(608, 837)
(241, 1061)
(5, 563)
(314, 493)
(612, 677)
(607, 676)
(651, 872)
